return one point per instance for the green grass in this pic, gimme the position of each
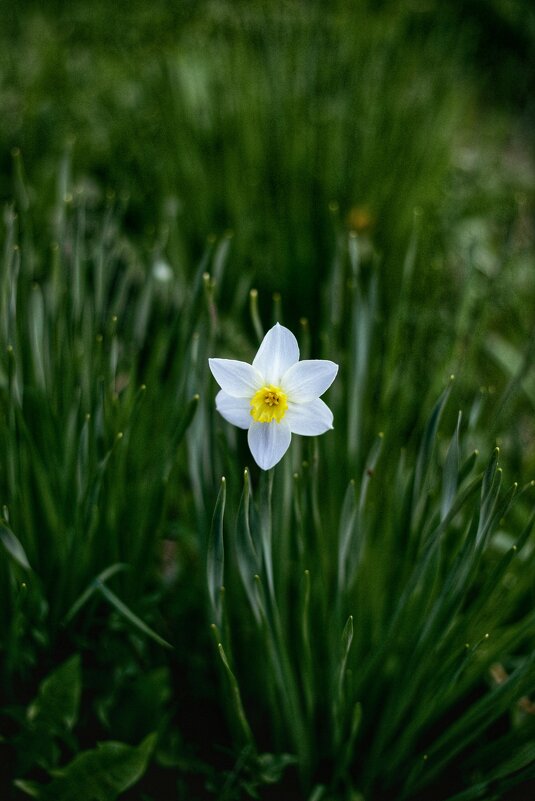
(231, 167)
(373, 610)
(246, 117)
(361, 647)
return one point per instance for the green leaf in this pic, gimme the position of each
(132, 618)
(30, 788)
(350, 530)
(215, 557)
(451, 472)
(371, 466)
(178, 435)
(348, 747)
(102, 577)
(523, 757)
(51, 715)
(247, 557)
(345, 533)
(272, 766)
(475, 719)
(236, 697)
(56, 705)
(468, 466)
(347, 639)
(427, 446)
(100, 774)
(515, 364)
(477, 791)
(37, 334)
(13, 547)
(140, 704)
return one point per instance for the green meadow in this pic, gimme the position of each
(356, 623)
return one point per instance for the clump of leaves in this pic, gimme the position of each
(46, 734)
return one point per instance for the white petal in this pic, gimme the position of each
(238, 379)
(278, 351)
(235, 410)
(309, 419)
(308, 379)
(269, 442)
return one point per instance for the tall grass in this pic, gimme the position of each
(358, 623)
(250, 117)
(361, 580)
(385, 586)
(84, 420)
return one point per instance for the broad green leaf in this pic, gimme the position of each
(100, 774)
(56, 705)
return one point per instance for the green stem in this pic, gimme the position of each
(282, 662)
(266, 526)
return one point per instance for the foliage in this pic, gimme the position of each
(374, 621)
(220, 146)
(371, 600)
(99, 774)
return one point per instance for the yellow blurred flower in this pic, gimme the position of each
(360, 219)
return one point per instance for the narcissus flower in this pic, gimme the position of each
(275, 396)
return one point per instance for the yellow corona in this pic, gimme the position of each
(268, 404)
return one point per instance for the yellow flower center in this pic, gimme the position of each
(268, 404)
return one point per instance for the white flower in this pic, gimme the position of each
(276, 396)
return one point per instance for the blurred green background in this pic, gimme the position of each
(259, 117)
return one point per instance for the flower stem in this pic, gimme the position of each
(283, 667)
(266, 526)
